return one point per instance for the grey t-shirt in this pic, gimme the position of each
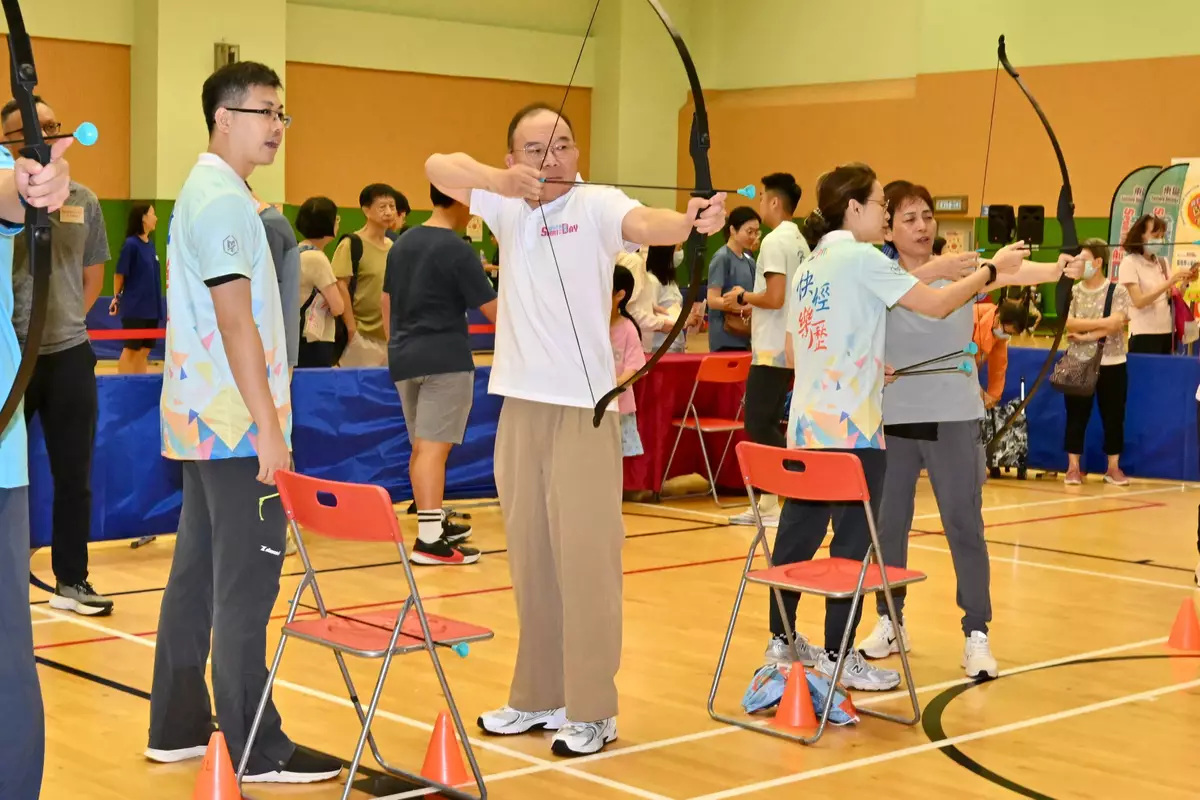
(77, 240)
(726, 271)
(285, 252)
(912, 338)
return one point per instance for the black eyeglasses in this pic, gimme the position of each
(270, 113)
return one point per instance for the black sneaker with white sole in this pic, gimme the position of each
(81, 598)
(303, 767)
(442, 553)
(454, 532)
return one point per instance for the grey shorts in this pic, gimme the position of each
(436, 407)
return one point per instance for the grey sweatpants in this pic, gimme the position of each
(956, 470)
(223, 584)
(23, 734)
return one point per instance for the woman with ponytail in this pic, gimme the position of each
(627, 356)
(836, 311)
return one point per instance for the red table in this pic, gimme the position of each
(662, 396)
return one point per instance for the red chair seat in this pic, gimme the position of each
(831, 577)
(710, 424)
(369, 634)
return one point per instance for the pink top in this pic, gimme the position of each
(1148, 275)
(627, 355)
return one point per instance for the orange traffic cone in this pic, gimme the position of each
(217, 779)
(796, 706)
(443, 761)
(1185, 633)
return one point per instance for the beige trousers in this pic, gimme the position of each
(560, 484)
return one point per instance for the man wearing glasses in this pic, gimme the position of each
(559, 479)
(62, 392)
(227, 415)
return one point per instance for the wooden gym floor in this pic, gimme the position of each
(1086, 582)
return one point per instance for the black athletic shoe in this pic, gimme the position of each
(454, 532)
(442, 553)
(302, 767)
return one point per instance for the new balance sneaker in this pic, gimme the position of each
(883, 641)
(858, 674)
(302, 767)
(780, 654)
(441, 553)
(584, 738)
(81, 598)
(508, 721)
(977, 658)
(454, 532)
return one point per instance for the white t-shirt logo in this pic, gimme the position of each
(559, 230)
(230, 246)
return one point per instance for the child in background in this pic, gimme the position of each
(628, 357)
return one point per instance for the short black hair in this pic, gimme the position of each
(10, 107)
(439, 198)
(317, 218)
(228, 87)
(784, 185)
(740, 216)
(531, 109)
(374, 191)
(1015, 313)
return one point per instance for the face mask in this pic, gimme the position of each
(999, 333)
(1089, 270)
(1154, 247)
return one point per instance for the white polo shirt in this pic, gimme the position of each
(215, 232)
(537, 357)
(781, 253)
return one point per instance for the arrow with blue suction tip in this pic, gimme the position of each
(747, 191)
(86, 134)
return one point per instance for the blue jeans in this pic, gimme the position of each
(23, 734)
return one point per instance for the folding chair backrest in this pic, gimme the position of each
(803, 474)
(351, 511)
(724, 368)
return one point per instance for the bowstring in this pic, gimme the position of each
(987, 153)
(541, 207)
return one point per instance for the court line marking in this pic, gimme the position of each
(1084, 498)
(998, 730)
(859, 700)
(1072, 570)
(517, 755)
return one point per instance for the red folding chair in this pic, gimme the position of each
(360, 513)
(715, 368)
(821, 477)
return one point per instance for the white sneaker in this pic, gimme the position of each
(977, 658)
(883, 642)
(858, 674)
(779, 653)
(584, 738)
(770, 518)
(508, 721)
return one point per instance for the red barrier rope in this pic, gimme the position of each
(116, 334)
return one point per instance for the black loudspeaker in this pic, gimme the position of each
(1031, 224)
(1001, 223)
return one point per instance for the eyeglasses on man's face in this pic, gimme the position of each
(269, 113)
(535, 151)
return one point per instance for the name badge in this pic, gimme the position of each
(71, 214)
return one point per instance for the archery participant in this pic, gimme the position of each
(432, 279)
(62, 392)
(933, 422)
(559, 478)
(836, 324)
(22, 738)
(227, 416)
(767, 385)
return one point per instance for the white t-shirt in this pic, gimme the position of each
(837, 311)
(782, 251)
(1148, 276)
(215, 232)
(537, 357)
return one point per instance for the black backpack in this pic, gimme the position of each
(356, 252)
